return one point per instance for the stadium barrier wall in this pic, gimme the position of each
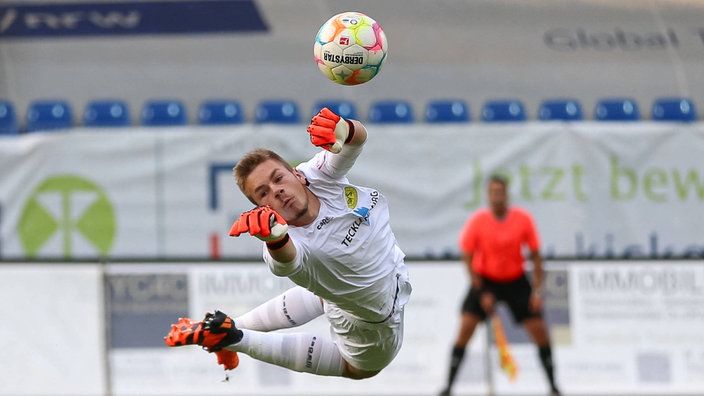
(596, 190)
(618, 327)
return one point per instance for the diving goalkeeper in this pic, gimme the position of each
(334, 241)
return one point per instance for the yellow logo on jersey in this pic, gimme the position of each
(351, 197)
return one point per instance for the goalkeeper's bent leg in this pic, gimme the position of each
(301, 352)
(292, 308)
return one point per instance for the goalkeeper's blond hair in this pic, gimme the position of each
(251, 160)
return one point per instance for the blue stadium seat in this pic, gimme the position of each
(616, 109)
(447, 111)
(8, 119)
(164, 112)
(560, 110)
(509, 110)
(282, 111)
(674, 109)
(390, 112)
(343, 108)
(48, 115)
(220, 112)
(106, 113)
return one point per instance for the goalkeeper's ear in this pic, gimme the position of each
(301, 178)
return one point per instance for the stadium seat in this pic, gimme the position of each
(8, 119)
(164, 112)
(617, 109)
(674, 109)
(510, 110)
(343, 108)
(48, 115)
(560, 110)
(106, 113)
(447, 111)
(277, 111)
(220, 112)
(390, 111)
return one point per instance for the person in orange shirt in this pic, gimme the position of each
(492, 242)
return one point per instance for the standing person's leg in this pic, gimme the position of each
(471, 316)
(537, 329)
(517, 295)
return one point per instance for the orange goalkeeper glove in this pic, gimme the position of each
(329, 131)
(262, 222)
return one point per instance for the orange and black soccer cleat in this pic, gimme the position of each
(215, 332)
(228, 359)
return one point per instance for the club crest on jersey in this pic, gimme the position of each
(363, 214)
(351, 197)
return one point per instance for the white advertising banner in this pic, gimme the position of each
(637, 326)
(419, 368)
(617, 328)
(596, 190)
(52, 339)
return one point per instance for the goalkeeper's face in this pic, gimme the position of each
(271, 183)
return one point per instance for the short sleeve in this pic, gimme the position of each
(532, 237)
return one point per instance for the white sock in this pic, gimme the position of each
(303, 352)
(294, 307)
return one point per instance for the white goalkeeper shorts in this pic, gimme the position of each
(369, 346)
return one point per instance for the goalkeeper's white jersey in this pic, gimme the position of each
(348, 255)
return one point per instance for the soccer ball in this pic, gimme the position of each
(350, 48)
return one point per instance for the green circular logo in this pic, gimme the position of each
(65, 208)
